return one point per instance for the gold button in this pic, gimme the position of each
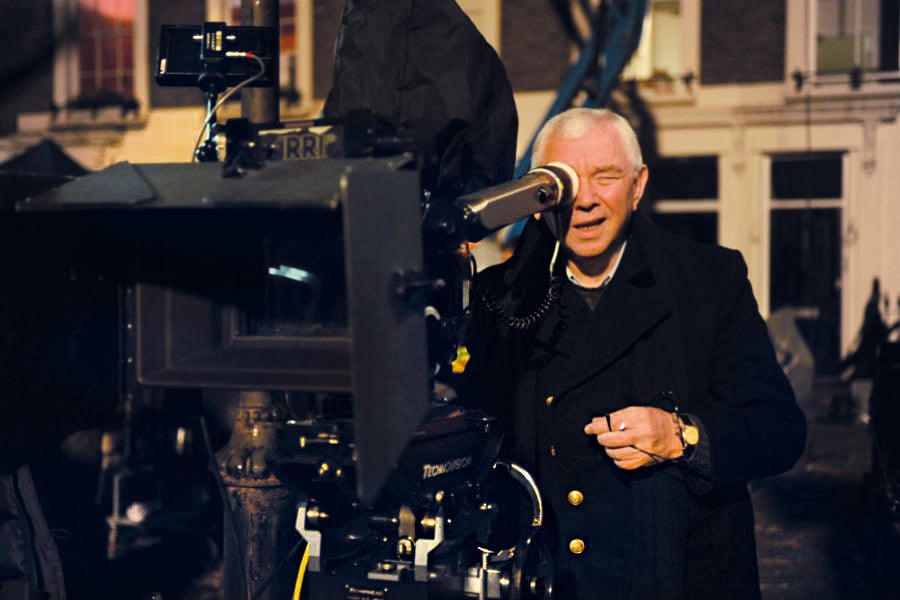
(575, 497)
(552, 450)
(576, 546)
(549, 400)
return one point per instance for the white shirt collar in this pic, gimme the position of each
(606, 279)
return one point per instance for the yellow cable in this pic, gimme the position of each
(300, 572)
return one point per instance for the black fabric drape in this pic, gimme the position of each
(423, 63)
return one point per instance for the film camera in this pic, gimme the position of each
(310, 281)
(324, 301)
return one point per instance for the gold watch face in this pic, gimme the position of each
(691, 435)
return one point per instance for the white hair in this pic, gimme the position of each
(575, 122)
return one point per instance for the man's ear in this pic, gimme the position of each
(640, 182)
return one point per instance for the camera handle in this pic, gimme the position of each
(213, 83)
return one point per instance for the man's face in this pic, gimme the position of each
(609, 192)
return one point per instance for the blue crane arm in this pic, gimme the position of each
(615, 35)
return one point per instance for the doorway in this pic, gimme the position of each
(805, 224)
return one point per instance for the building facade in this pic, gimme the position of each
(771, 125)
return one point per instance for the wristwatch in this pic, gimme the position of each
(690, 434)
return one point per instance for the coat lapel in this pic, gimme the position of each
(634, 304)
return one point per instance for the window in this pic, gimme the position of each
(683, 195)
(849, 43)
(106, 47)
(806, 176)
(660, 48)
(805, 247)
(848, 35)
(667, 57)
(105, 62)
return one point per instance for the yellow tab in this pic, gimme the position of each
(462, 359)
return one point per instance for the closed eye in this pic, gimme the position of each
(607, 178)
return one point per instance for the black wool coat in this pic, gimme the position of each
(678, 323)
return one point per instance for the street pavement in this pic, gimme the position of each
(823, 530)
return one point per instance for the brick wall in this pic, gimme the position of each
(172, 12)
(742, 41)
(26, 74)
(534, 48)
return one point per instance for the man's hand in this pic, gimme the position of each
(637, 436)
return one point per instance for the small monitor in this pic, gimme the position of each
(187, 52)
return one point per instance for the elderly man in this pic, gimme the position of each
(635, 378)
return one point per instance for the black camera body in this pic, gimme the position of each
(440, 528)
(301, 279)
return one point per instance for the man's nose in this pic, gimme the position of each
(585, 198)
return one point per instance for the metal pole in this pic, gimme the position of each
(260, 105)
(259, 529)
